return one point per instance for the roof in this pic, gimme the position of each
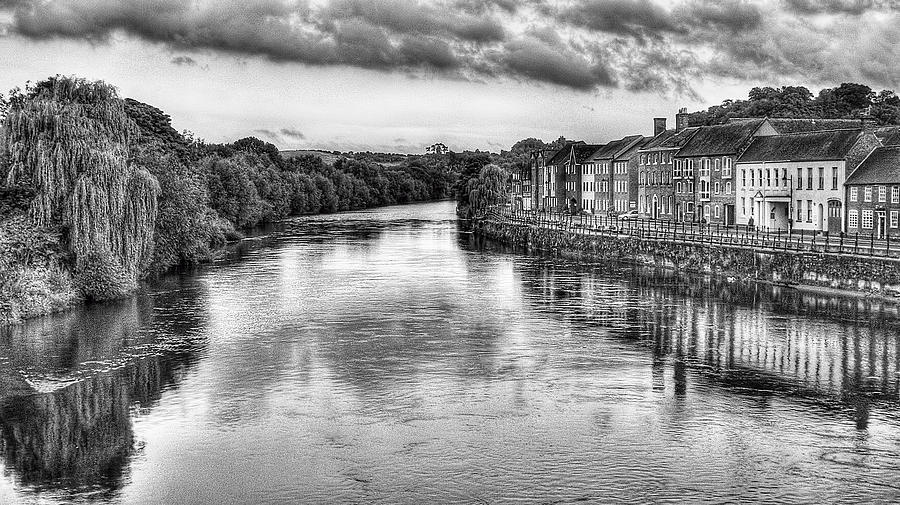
(615, 148)
(720, 139)
(584, 151)
(889, 135)
(657, 141)
(826, 145)
(798, 125)
(882, 166)
(629, 151)
(563, 154)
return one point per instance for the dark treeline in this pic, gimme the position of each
(97, 192)
(847, 101)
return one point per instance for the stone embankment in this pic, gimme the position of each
(823, 271)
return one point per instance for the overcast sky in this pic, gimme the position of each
(397, 75)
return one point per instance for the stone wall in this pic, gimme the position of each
(860, 274)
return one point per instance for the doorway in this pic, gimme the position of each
(881, 224)
(835, 224)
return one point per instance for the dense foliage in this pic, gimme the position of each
(69, 141)
(488, 189)
(848, 100)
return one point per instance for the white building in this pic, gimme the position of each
(796, 181)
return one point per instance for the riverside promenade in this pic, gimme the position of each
(855, 264)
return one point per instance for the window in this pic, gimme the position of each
(867, 219)
(752, 177)
(718, 165)
(809, 209)
(853, 219)
(799, 178)
(744, 177)
(743, 206)
(895, 218)
(895, 194)
(882, 193)
(768, 177)
(776, 177)
(728, 188)
(853, 196)
(868, 194)
(821, 177)
(809, 184)
(717, 188)
(834, 178)
(718, 215)
(799, 210)
(704, 168)
(726, 167)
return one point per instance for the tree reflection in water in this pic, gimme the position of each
(68, 395)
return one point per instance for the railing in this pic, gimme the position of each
(701, 233)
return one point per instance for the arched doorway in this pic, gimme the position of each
(655, 213)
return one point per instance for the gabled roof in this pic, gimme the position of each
(826, 145)
(799, 125)
(615, 148)
(882, 166)
(629, 152)
(563, 154)
(889, 135)
(670, 139)
(720, 139)
(584, 151)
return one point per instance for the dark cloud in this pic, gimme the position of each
(623, 17)
(281, 135)
(731, 15)
(293, 133)
(853, 7)
(639, 45)
(184, 61)
(535, 59)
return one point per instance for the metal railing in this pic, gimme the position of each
(702, 233)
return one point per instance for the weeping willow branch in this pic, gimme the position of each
(69, 139)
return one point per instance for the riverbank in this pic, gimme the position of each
(36, 278)
(815, 271)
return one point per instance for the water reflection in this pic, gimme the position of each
(73, 382)
(381, 357)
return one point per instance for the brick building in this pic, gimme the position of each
(704, 170)
(610, 166)
(656, 191)
(873, 194)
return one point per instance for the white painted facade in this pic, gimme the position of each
(589, 186)
(798, 195)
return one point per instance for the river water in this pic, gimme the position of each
(383, 357)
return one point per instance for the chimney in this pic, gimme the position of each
(681, 119)
(659, 125)
(869, 123)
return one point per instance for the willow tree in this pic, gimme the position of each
(488, 189)
(69, 140)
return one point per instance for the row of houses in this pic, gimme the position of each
(812, 175)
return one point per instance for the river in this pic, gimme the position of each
(383, 357)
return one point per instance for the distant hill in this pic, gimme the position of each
(327, 157)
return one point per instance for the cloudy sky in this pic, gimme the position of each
(397, 75)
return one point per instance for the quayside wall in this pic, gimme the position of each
(879, 276)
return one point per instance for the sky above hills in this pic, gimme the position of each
(398, 75)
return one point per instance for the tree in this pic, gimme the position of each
(488, 189)
(69, 139)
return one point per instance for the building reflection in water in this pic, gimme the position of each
(70, 384)
(842, 352)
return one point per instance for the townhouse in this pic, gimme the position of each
(656, 190)
(610, 163)
(704, 170)
(873, 194)
(796, 181)
(539, 177)
(555, 177)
